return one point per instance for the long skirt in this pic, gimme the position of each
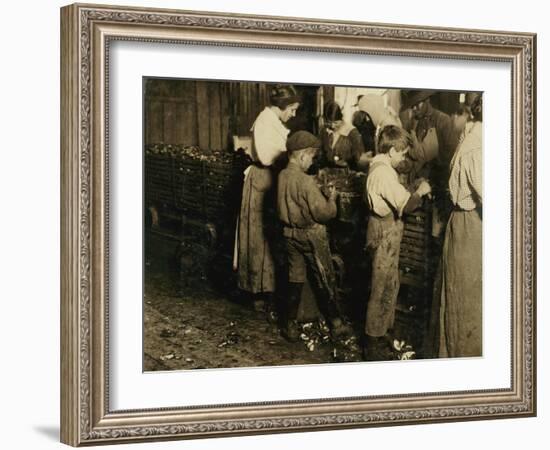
(460, 317)
(255, 265)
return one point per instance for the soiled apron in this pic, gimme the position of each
(461, 292)
(252, 256)
(384, 236)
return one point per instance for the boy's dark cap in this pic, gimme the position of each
(301, 140)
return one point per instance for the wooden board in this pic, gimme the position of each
(156, 122)
(170, 122)
(215, 115)
(203, 115)
(225, 115)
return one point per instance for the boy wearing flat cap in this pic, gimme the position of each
(304, 210)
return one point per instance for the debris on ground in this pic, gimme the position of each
(203, 329)
(317, 334)
(314, 334)
(165, 333)
(346, 350)
(402, 350)
(231, 338)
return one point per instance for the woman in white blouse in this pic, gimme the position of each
(253, 255)
(461, 294)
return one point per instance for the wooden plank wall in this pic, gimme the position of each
(203, 113)
(446, 101)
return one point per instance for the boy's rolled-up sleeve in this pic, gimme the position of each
(395, 195)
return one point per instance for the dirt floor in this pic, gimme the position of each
(197, 326)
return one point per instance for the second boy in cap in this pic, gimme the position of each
(304, 210)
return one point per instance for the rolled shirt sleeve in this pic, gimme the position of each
(396, 196)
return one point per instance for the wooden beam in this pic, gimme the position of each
(203, 115)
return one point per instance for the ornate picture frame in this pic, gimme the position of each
(87, 32)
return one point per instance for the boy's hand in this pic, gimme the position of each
(423, 188)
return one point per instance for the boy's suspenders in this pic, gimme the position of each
(372, 168)
(375, 227)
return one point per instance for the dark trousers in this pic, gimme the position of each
(309, 253)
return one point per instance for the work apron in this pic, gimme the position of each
(384, 236)
(253, 258)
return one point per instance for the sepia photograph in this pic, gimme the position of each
(293, 203)
(292, 224)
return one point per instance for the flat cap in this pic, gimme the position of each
(302, 140)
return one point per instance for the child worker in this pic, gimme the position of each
(304, 210)
(387, 200)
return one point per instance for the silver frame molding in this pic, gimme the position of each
(86, 32)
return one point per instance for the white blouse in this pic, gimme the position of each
(269, 137)
(465, 181)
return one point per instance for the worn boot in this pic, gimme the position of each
(258, 302)
(376, 349)
(271, 310)
(390, 336)
(291, 332)
(259, 305)
(340, 329)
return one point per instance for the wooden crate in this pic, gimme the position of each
(159, 180)
(415, 260)
(188, 186)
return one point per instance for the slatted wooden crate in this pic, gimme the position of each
(415, 260)
(215, 198)
(217, 202)
(198, 184)
(188, 186)
(159, 180)
(222, 187)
